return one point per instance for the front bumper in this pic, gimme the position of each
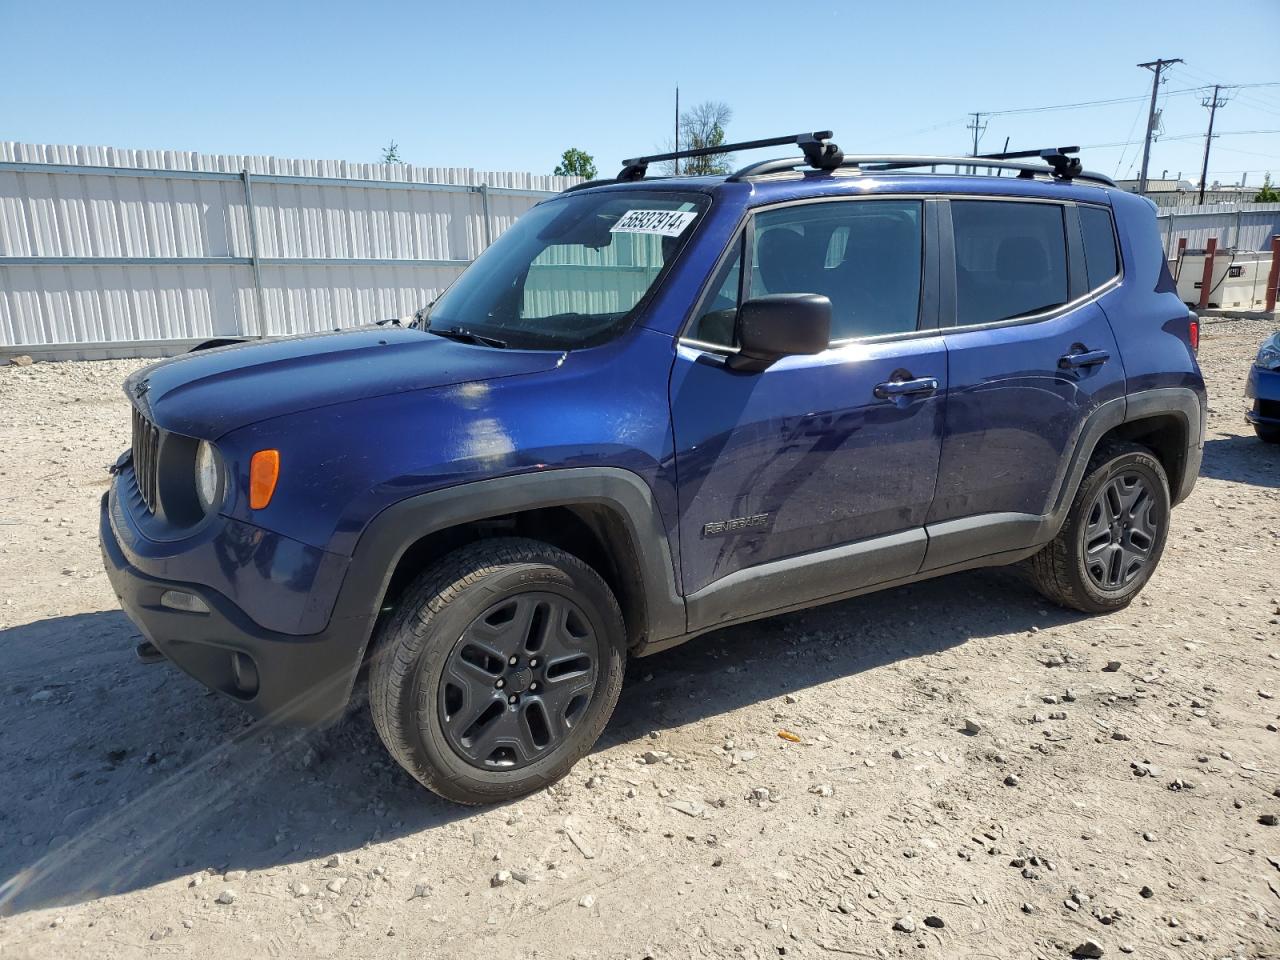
(1263, 388)
(297, 680)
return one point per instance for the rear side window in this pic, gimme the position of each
(1101, 262)
(1011, 259)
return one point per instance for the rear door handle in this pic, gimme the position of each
(906, 388)
(1086, 358)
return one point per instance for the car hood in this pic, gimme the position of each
(211, 392)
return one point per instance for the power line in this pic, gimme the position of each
(1092, 103)
(1187, 136)
(1129, 139)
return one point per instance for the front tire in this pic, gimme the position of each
(498, 671)
(1113, 536)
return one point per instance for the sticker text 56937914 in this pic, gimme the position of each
(664, 223)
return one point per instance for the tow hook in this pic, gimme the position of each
(148, 652)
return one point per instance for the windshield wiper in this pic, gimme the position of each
(466, 336)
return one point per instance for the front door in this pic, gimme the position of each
(791, 464)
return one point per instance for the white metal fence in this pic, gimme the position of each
(1238, 226)
(109, 252)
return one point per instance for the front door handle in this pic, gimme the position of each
(1085, 358)
(906, 388)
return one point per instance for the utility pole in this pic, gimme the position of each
(1156, 67)
(1213, 103)
(978, 128)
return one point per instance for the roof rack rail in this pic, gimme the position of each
(1059, 166)
(818, 153)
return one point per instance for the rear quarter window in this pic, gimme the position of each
(1102, 261)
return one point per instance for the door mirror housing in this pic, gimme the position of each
(780, 325)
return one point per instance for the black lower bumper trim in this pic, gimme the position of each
(295, 680)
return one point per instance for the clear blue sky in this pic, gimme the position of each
(501, 85)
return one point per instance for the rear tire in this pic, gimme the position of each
(1113, 536)
(498, 671)
(1267, 433)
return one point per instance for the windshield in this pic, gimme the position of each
(569, 273)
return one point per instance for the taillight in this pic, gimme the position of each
(1193, 332)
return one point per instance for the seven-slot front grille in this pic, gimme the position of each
(146, 447)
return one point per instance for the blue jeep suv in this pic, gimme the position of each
(652, 408)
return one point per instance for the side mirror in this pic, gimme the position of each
(780, 325)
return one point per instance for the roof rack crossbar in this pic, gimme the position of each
(1028, 154)
(817, 153)
(1063, 166)
(1060, 166)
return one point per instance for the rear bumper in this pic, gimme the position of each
(297, 680)
(1263, 388)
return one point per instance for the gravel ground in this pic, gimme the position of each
(803, 786)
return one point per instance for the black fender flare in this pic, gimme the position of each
(396, 528)
(1182, 402)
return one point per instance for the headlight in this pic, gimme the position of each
(208, 475)
(1269, 353)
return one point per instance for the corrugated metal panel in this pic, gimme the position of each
(1243, 226)
(192, 233)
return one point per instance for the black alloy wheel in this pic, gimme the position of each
(1121, 530)
(518, 680)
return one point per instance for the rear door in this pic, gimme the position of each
(815, 452)
(1030, 356)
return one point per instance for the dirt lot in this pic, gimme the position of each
(141, 815)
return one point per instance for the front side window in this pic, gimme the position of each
(1099, 236)
(571, 270)
(864, 256)
(719, 314)
(1011, 259)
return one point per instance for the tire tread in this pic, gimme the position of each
(1051, 568)
(401, 642)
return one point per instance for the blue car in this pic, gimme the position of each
(653, 408)
(1263, 388)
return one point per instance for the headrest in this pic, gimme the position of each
(781, 253)
(1021, 259)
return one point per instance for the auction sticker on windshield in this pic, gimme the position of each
(665, 223)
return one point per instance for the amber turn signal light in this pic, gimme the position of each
(264, 471)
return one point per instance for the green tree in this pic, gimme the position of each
(391, 153)
(703, 126)
(576, 163)
(1268, 193)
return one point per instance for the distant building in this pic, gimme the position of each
(1184, 193)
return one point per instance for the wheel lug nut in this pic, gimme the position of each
(532, 687)
(533, 662)
(511, 699)
(513, 661)
(501, 683)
